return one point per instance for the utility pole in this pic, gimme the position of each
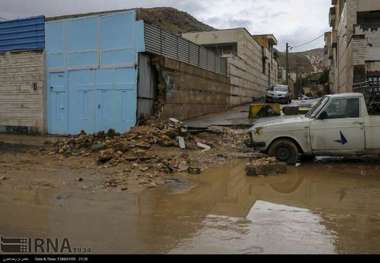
(287, 64)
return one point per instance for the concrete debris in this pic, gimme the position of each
(205, 147)
(175, 121)
(266, 166)
(181, 142)
(109, 144)
(153, 151)
(216, 129)
(105, 156)
(194, 168)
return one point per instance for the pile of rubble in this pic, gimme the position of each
(139, 147)
(266, 166)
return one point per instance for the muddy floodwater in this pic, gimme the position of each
(316, 208)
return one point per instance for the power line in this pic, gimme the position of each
(309, 42)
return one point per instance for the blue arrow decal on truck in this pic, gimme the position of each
(342, 140)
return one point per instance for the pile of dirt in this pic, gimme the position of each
(154, 150)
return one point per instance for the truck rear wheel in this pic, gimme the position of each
(285, 151)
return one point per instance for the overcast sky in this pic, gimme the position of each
(295, 21)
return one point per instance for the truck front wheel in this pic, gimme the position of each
(285, 151)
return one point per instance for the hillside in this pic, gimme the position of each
(178, 22)
(172, 20)
(315, 57)
(310, 61)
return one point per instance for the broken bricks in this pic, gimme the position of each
(265, 166)
(194, 168)
(105, 156)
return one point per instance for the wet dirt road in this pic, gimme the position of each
(316, 208)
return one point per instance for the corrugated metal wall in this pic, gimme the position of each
(22, 34)
(160, 42)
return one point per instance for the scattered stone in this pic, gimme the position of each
(152, 185)
(80, 179)
(167, 142)
(175, 121)
(143, 145)
(265, 167)
(112, 183)
(183, 167)
(215, 129)
(138, 151)
(3, 178)
(98, 147)
(144, 169)
(105, 156)
(131, 158)
(194, 168)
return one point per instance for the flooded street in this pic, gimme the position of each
(316, 208)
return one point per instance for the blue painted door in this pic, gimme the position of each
(98, 58)
(116, 99)
(57, 103)
(82, 101)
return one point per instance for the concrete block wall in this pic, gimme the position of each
(22, 90)
(246, 71)
(186, 91)
(245, 68)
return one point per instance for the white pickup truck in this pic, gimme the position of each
(337, 125)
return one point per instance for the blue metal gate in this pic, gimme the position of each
(92, 67)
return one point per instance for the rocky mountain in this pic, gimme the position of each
(172, 20)
(315, 57)
(178, 22)
(310, 61)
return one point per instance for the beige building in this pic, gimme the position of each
(252, 63)
(353, 45)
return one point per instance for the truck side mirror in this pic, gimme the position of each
(323, 116)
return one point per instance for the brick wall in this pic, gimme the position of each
(21, 90)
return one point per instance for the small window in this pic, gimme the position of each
(340, 108)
